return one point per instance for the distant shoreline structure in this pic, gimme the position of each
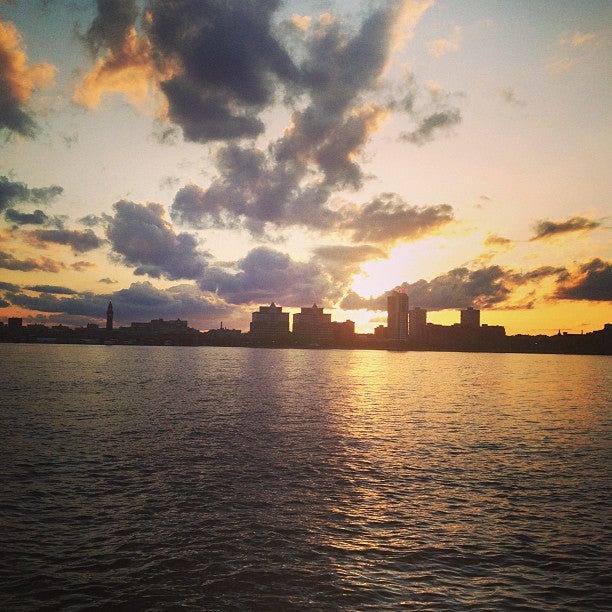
(407, 330)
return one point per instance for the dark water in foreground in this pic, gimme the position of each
(209, 478)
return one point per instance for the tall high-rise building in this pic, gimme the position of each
(417, 319)
(109, 317)
(470, 318)
(397, 316)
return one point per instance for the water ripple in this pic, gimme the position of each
(159, 477)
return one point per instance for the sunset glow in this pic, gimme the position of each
(195, 163)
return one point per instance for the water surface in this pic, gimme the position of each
(256, 479)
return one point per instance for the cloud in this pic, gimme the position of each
(80, 241)
(126, 67)
(18, 81)
(55, 289)
(291, 181)
(442, 120)
(140, 301)
(572, 48)
(577, 39)
(592, 281)
(507, 94)
(169, 182)
(388, 218)
(111, 25)
(90, 220)
(225, 61)
(266, 275)
(12, 193)
(495, 240)
(521, 278)
(434, 116)
(79, 266)
(44, 264)
(141, 236)
(442, 46)
(487, 287)
(8, 286)
(549, 229)
(343, 262)
(108, 281)
(38, 217)
(561, 65)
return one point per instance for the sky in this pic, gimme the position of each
(196, 159)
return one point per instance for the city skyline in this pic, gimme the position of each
(324, 153)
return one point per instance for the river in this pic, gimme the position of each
(202, 478)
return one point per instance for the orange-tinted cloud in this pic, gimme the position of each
(126, 69)
(45, 264)
(18, 81)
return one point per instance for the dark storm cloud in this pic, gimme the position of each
(265, 276)
(291, 181)
(111, 25)
(204, 117)
(487, 287)
(44, 264)
(38, 217)
(441, 120)
(90, 220)
(340, 66)
(12, 116)
(549, 229)
(141, 301)
(55, 289)
(592, 281)
(521, 278)
(461, 288)
(141, 237)
(229, 63)
(388, 218)
(80, 241)
(12, 193)
(8, 287)
(85, 304)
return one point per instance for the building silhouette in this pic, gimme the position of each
(343, 332)
(417, 319)
(312, 325)
(109, 317)
(397, 316)
(15, 323)
(470, 318)
(269, 324)
(159, 326)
